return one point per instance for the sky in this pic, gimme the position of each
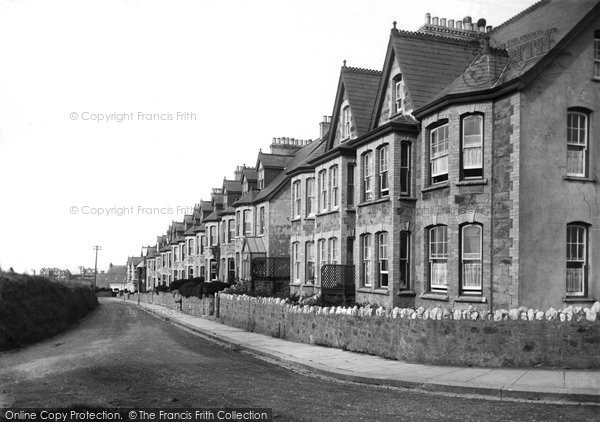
(116, 116)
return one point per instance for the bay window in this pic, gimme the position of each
(439, 153)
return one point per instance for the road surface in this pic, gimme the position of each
(120, 356)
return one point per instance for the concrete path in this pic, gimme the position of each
(503, 383)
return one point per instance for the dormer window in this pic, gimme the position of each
(398, 94)
(597, 54)
(261, 178)
(346, 122)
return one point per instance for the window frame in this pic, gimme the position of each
(472, 172)
(321, 257)
(322, 181)
(578, 146)
(332, 251)
(367, 173)
(383, 262)
(438, 258)
(383, 157)
(582, 262)
(346, 122)
(464, 288)
(296, 261)
(213, 262)
(404, 258)
(405, 163)
(238, 223)
(333, 186)
(247, 222)
(596, 48)
(261, 177)
(310, 197)
(261, 220)
(309, 258)
(296, 199)
(366, 245)
(439, 177)
(231, 230)
(398, 95)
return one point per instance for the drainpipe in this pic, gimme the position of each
(492, 219)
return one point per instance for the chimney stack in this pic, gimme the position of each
(238, 170)
(481, 25)
(451, 23)
(434, 21)
(427, 18)
(324, 126)
(488, 28)
(442, 21)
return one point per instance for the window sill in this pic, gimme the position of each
(296, 219)
(373, 202)
(381, 291)
(328, 212)
(472, 182)
(438, 186)
(579, 179)
(470, 299)
(407, 198)
(295, 284)
(407, 293)
(578, 299)
(352, 210)
(443, 297)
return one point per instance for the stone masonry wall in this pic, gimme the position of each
(443, 341)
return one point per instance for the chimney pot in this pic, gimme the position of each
(488, 28)
(443, 22)
(459, 25)
(481, 24)
(467, 19)
(427, 18)
(435, 21)
(451, 23)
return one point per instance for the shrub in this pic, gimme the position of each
(33, 308)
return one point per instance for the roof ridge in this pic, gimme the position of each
(361, 69)
(520, 14)
(437, 37)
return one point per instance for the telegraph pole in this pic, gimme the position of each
(96, 248)
(81, 267)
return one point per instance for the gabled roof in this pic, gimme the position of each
(250, 174)
(134, 260)
(229, 210)
(428, 64)
(278, 161)
(200, 228)
(303, 155)
(360, 86)
(206, 206)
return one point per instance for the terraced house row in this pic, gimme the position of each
(463, 172)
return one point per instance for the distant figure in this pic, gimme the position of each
(11, 270)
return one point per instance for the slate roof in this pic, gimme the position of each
(247, 198)
(430, 62)
(191, 231)
(115, 275)
(213, 216)
(250, 174)
(134, 260)
(229, 210)
(273, 160)
(302, 156)
(232, 185)
(206, 206)
(361, 89)
(200, 228)
(519, 44)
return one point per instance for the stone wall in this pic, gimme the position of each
(189, 305)
(443, 337)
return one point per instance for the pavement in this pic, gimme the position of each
(552, 385)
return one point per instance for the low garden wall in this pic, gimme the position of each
(569, 338)
(189, 305)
